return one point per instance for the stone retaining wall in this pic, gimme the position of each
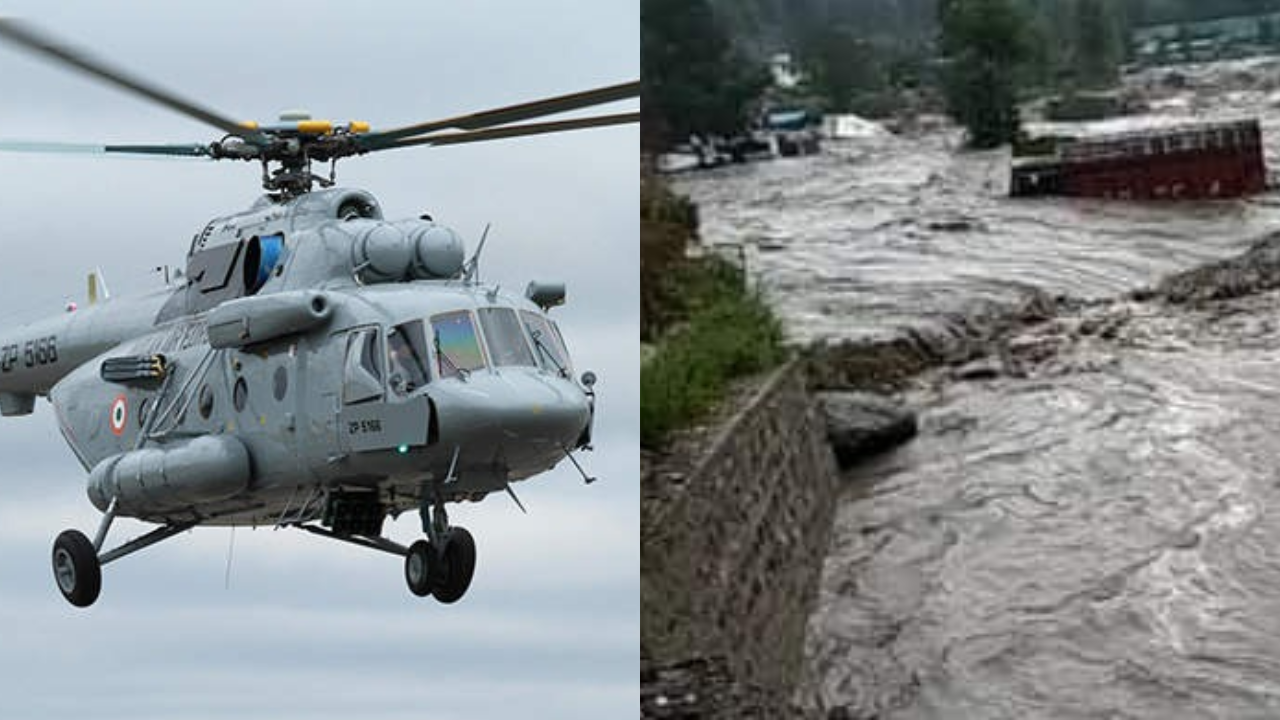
(733, 550)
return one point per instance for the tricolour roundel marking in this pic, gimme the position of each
(119, 414)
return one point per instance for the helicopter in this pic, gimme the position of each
(316, 366)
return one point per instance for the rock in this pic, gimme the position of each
(984, 369)
(1255, 271)
(861, 424)
(954, 223)
(1174, 79)
(705, 689)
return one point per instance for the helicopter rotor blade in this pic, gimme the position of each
(23, 35)
(192, 150)
(511, 131)
(62, 148)
(502, 116)
(23, 146)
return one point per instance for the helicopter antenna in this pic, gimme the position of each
(98, 287)
(231, 549)
(585, 477)
(472, 272)
(511, 491)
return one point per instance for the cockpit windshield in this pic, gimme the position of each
(407, 351)
(457, 347)
(547, 343)
(506, 342)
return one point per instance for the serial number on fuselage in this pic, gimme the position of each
(360, 427)
(43, 351)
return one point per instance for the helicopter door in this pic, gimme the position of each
(367, 420)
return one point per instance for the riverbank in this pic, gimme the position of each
(1052, 350)
(1083, 526)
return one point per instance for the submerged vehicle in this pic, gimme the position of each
(1199, 161)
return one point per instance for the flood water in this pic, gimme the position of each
(1098, 537)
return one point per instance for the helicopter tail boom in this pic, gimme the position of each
(35, 356)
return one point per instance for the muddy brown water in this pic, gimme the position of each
(1098, 539)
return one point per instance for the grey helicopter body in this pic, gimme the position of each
(314, 366)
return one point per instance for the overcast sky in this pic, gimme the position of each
(311, 628)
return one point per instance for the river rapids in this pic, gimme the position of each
(1094, 532)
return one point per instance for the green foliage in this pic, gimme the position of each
(986, 42)
(842, 65)
(729, 332)
(1267, 32)
(1161, 12)
(1078, 44)
(692, 79)
(1096, 44)
(667, 225)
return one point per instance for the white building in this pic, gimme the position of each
(786, 74)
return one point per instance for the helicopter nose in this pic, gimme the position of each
(548, 411)
(516, 408)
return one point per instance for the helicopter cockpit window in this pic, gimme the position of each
(407, 352)
(457, 347)
(547, 343)
(507, 345)
(362, 371)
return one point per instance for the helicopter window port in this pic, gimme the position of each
(547, 343)
(280, 383)
(507, 345)
(407, 356)
(206, 401)
(363, 374)
(240, 395)
(457, 347)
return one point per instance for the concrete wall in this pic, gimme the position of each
(733, 549)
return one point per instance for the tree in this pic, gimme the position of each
(842, 65)
(1097, 44)
(692, 79)
(985, 42)
(1267, 32)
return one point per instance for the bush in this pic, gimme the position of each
(668, 224)
(728, 332)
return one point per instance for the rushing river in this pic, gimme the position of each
(1096, 537)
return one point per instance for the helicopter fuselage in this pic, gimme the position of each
(314, 359)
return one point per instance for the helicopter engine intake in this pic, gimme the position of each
(407, 250)
(205, 469)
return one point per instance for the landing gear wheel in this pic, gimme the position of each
(421, 568)
(76, 568)
(457, 566)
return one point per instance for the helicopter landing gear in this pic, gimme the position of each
(76, 568)
(445, 574)
(77, 561)
(421, 568)
(444, 563)
(457, 566)
(441, 565)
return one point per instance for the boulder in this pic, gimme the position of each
(1255, 271)
(704, 688)
(861, 424)
(985, 369)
